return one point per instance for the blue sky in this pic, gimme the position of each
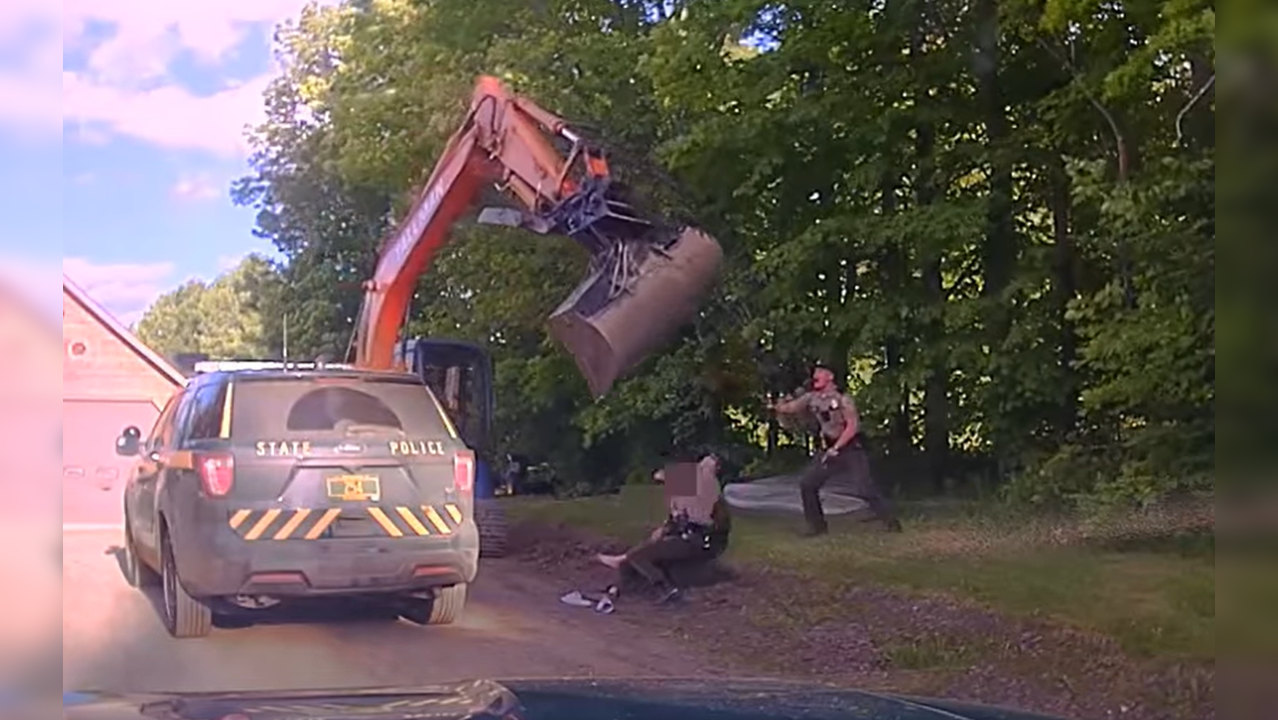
(150, 100)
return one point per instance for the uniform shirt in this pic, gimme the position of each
(827, 406)
(700, 507)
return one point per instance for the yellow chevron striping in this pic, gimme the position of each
(297, 518)
(387, 524)
(412, 521)
(267, 518)
(292, 524)
(436, 520)
(322, 524)
(239, 517)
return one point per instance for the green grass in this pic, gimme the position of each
(933, 653)
(1148, 582)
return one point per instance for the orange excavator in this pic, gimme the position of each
(646, 278)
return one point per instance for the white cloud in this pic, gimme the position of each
(83, 134)
(127, 87)
(197, 187)
(169, 115)
(126, 290)
(226, 263)
(150, 33)
(30, 88)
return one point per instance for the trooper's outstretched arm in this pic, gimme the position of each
(789, 406)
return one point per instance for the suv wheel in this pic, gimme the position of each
(443, 609)
(446, 608)
(490, 518)
(184, 616)
(138, 573)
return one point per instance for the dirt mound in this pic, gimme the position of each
(878, 638)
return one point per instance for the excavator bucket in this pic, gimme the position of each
(619, 316)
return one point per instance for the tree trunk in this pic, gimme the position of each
(999, 249)
(1196, 123)
(894, 276)
(1064, 289)
(936, 404)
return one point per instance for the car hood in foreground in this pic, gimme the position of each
(645, 699)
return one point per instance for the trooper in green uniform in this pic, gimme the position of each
(843, 453)
(695, 531)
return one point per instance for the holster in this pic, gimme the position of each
(681, 527)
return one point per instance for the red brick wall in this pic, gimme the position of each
(109, 369)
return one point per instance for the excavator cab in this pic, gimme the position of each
(461, 376)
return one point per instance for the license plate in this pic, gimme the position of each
(355, 488)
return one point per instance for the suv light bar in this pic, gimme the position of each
(208, 366)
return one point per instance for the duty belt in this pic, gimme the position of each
(690, 531)
(829, 442)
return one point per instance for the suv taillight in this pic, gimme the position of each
(464, 472)
(217, 473)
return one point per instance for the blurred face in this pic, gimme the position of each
(822, 379)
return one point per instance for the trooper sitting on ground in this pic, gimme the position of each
(696, 530)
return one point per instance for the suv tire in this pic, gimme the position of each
(184, 616)
(136, 572)
(494, 528)
(448, 604)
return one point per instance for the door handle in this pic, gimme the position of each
(148, 468)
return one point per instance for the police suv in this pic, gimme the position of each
(277, 485)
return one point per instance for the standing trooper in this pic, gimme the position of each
(843, 453)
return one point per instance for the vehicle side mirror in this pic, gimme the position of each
(129, 443)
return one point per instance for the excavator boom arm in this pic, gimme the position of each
(613, 319)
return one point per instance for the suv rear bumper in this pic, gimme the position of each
(333, 567)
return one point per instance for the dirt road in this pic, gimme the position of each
(513, 627)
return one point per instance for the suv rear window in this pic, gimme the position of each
(313, 407)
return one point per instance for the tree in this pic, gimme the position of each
(995, 219)
(171, 324)
(234, 316)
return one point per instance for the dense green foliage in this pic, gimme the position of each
(231, 317)
(997, 218)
